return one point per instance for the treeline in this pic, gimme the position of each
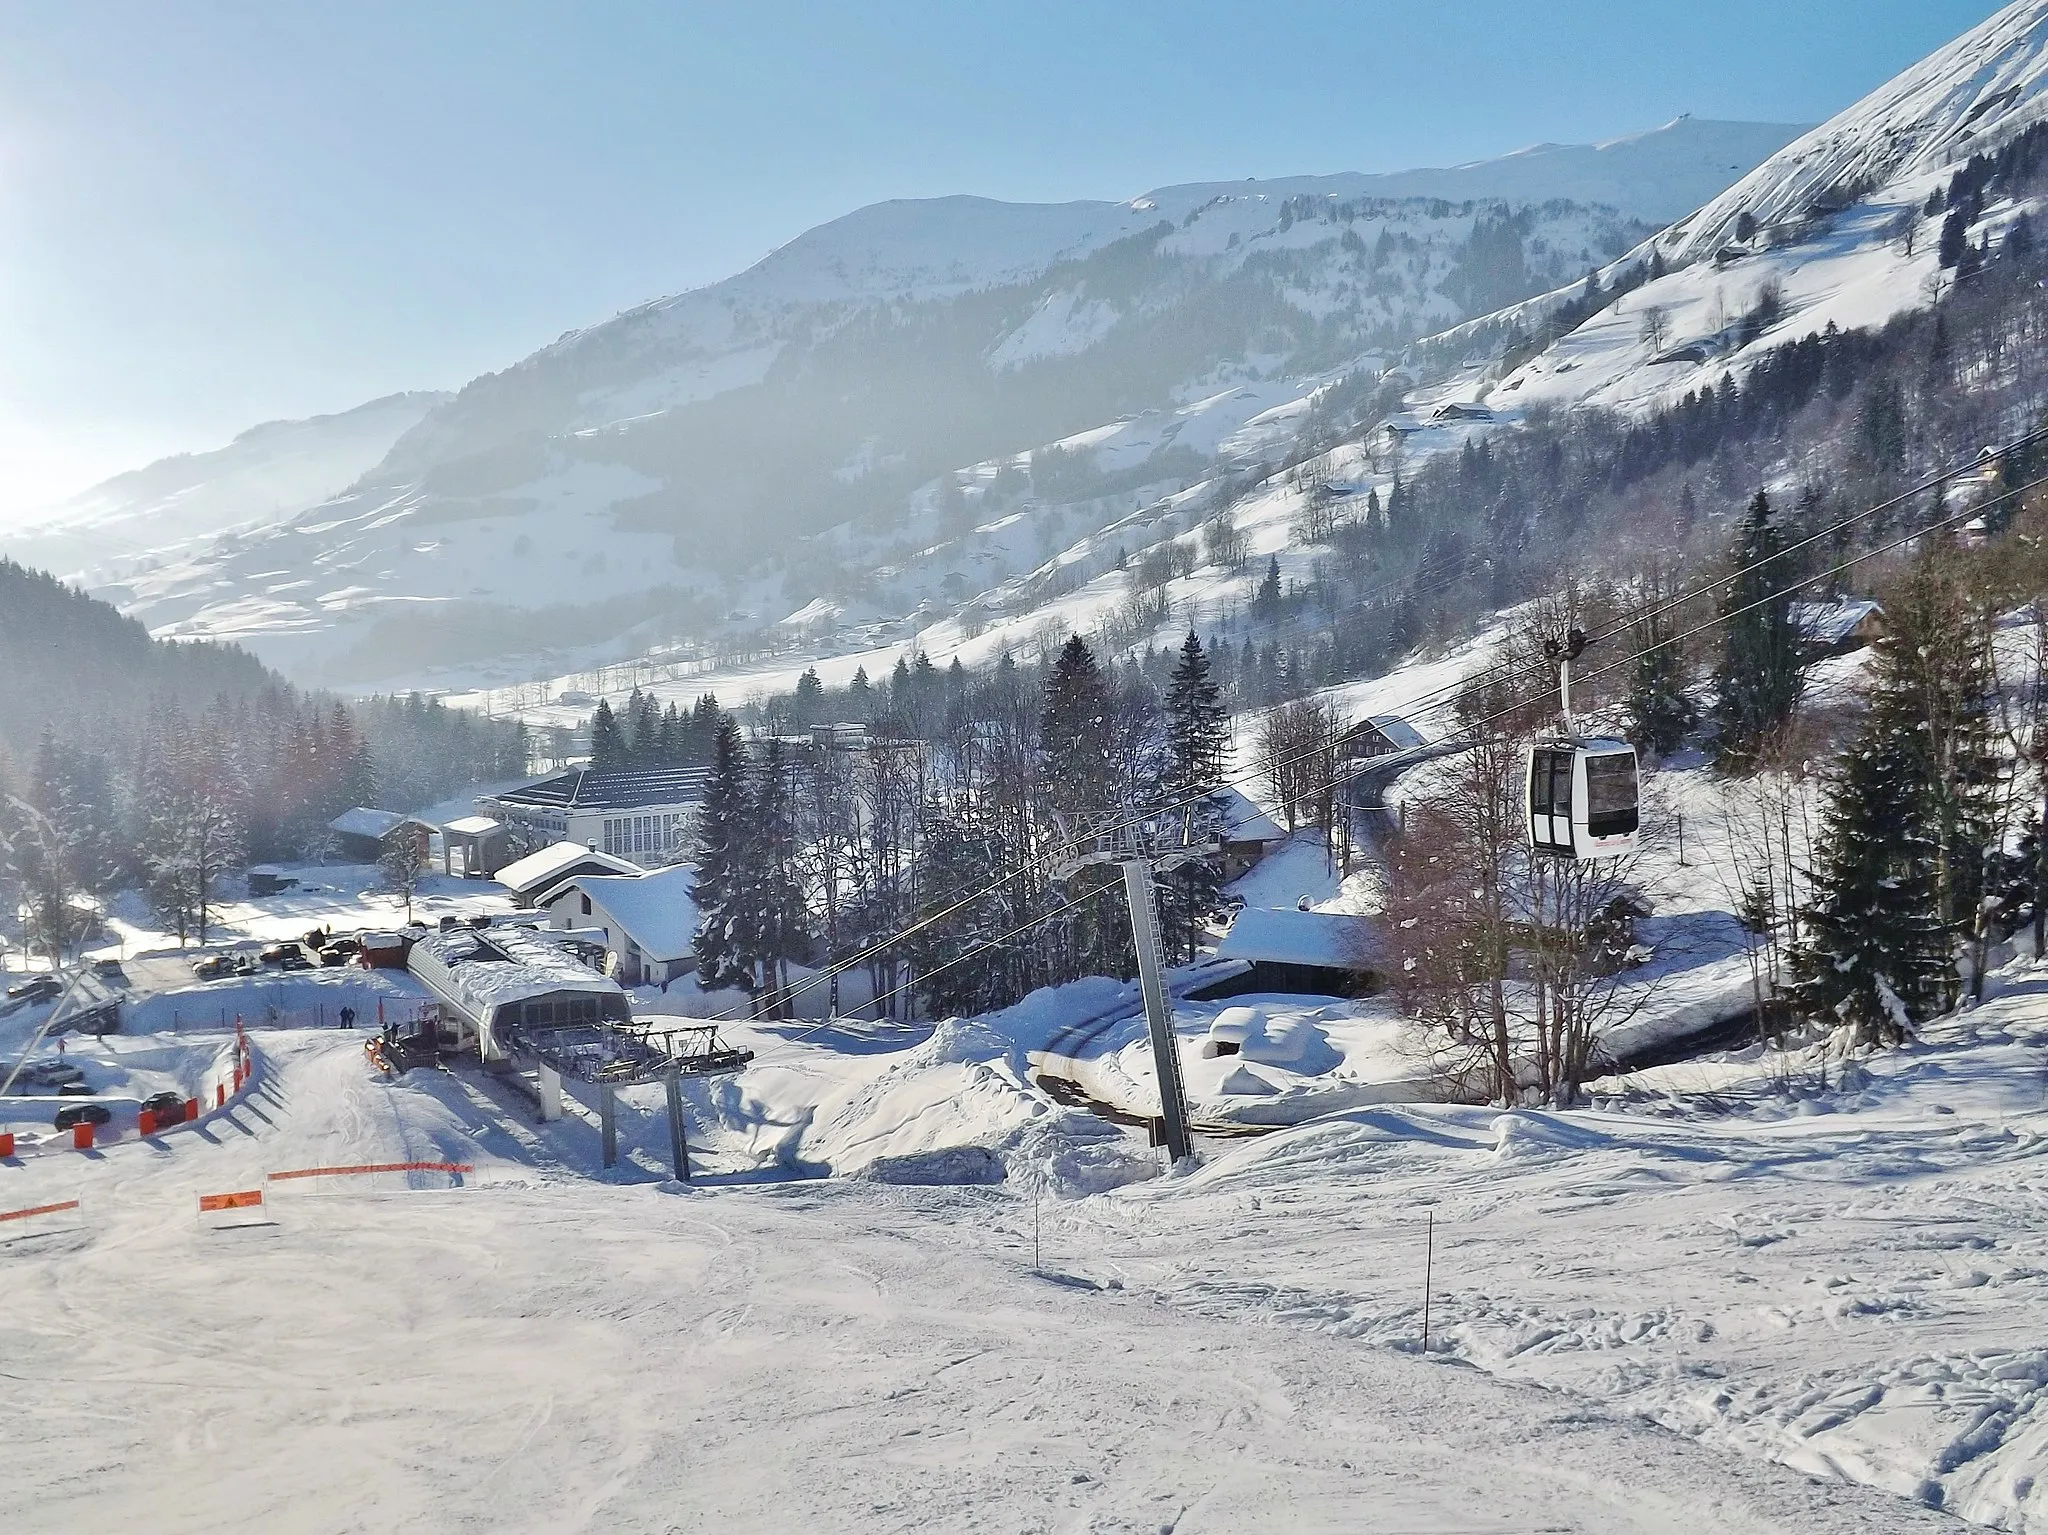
(812, 856)
(166, 767)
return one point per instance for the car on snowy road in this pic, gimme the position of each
(40, 988)
(213, 967)
(82, 1114)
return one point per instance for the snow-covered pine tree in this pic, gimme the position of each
(775, 921)
(1873, 954)
(608, 750)
(722, 827)
(1197, 740)
(1660, 710)
(1074, 733)
(1757, 683)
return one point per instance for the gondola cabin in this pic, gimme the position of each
(1583, 798)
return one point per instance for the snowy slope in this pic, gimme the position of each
(266, 475)
(1841, 233)
(1962, 98)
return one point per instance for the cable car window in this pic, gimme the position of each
(1539, 782)
(1561, 782)
(1611, 794)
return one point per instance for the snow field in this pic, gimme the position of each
(556, 1352)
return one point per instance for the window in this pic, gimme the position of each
(1611, 794)
(586, 906)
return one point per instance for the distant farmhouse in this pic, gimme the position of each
(363, 835)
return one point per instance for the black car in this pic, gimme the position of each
(110, 970)
(296, 960)
(82, 1114)
(277, 953)
(38, 989)
(168, 1108)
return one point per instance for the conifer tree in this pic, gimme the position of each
(718, 891)
(608, 751)
(1873, 955)
(1757, 683)
(1197, 741)
(1074, 732)
(810, 697)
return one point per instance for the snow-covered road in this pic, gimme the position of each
(1230, 1351)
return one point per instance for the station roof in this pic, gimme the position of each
(581, 789)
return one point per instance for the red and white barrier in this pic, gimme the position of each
(38, 1220)
(236, 1207)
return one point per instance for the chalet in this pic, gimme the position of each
(1459, 410)
(645, 815)
(649, 920)
(1837, 628)
(363, 835)
(1249, 834)
(1314, 953)
(1378, 735)
(534, 875)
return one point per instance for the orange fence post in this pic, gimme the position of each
(145, 1122)
(6, 1143)
(191, 1108)
(220, 1095)
(81, 1136)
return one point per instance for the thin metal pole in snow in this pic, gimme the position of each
(1034, 1226)
(608, 1125)
(679, 1147)
(1428, 1269)
(1173, 1101)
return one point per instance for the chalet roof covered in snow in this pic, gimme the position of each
(1830, 623)
(365, 822)
(1328, 940)
(473, 826)
(581, 789)
(1244, 821)
(556, 862)
(1399, 733)
(654, 908)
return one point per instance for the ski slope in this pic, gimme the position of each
(1664, 1327)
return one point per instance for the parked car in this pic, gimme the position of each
(168, 1107)
(275, 954)
(296, 960)
(49, 1072)
(36, 989)
(82, 1114)
(109, 969)
(74, 1089)
(213, 967)
(247, 964)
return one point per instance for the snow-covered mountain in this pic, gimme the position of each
(681, 467)
(1836, 228)
(266, 475)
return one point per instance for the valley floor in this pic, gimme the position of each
(1726, 1302)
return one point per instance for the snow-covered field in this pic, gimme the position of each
(1768, 1309)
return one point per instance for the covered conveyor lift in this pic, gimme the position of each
(609, 1055)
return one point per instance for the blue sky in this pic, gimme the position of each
(214, 214)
